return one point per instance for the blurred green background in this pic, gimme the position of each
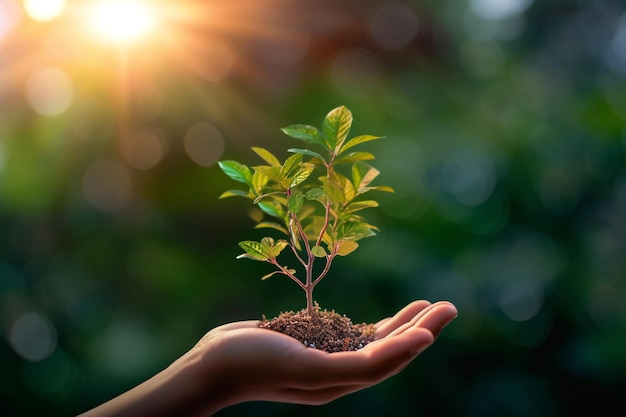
(506, 137)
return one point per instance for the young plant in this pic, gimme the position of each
(318, 216)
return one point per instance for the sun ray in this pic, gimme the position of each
(222, 56)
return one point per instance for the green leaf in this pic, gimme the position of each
(254, 250)
(270, 248)
(281, 191)
(318, 251)
(348, 190)
(272, 173)
(315, 194)
(384, 188)
(362, 175)
(346, 247)
(356, 231)
(291, 164)
(307, 133)
(259, 180)
(307, 152)
(360, 205)
(278, 248)
(295, 202)
(248, 256)
(357, 140)
(336, 127)
(271, 225)
(291, 271)
(235, 193)
(236, 171)
(267, 156)
(302, 174)
(272, 208)
(341, 188)
(267, 242)
(354, 157)
(264, 277)
(333, 190)
(275, 195)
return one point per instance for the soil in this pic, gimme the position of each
(324, 330)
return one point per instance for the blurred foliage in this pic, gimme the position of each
(506, 127)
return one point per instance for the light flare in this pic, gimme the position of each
(121, 21)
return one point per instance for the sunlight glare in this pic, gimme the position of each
(122, 21)
(44, 10)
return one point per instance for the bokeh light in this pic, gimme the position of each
(106, 185)
(52, 378)
(394, 25)
(43, 10)
(355, 74)
(50, 91)
(33, 337)
(521, 301)
(204, 144)
(144, 149)
(126, 347)
(469, 177)
(499, 9)
(616, 55)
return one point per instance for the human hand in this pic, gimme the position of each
(245, 363)
(240, 362)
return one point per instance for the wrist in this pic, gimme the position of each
(210, 387)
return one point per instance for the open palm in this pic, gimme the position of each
(266, 365)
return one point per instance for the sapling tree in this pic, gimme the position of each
(314, 198)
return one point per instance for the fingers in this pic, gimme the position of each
(370, 365)
(401, 339)
(434, 318)
(438, 316)
(386, 326)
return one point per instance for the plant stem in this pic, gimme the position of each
(329, 260)
(326, 221)
(308, 266)
(310, 283)
(309, 300)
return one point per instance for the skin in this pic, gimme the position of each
(239, 362)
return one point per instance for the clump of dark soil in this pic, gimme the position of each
(324, 330)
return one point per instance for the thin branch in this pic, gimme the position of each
(295, 252)
(283, 270)
(302, 234)
(329, 260)
(309, 265)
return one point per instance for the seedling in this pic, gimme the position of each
(315, 207)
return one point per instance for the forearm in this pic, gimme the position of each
(182, 389)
